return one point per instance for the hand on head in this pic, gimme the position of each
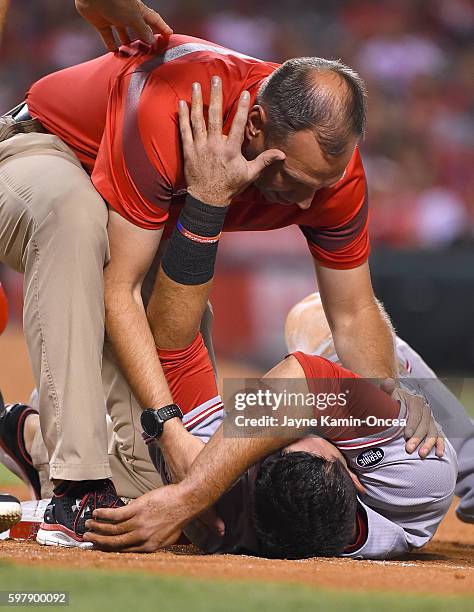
(215, 169)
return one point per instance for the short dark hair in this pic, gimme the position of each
(294, 101)
(304, 506)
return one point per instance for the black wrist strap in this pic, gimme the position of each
(191, 254)
(170, 412)
(202, 219)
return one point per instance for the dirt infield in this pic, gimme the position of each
(445, 566)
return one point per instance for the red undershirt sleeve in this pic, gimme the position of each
(358, 399)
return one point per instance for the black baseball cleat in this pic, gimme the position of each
(13, 454)
(10, 511)
(72, 504)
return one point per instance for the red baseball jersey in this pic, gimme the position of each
(119, 114)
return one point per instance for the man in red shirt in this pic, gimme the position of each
(117, 117)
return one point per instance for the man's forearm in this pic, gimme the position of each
(185, 277)
(365, 344)
(175, 311)
(180, 448)
(134, 346)
(219, 465)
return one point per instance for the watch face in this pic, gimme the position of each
(151, 423)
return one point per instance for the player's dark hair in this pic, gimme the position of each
(304, 506)
(294, 100)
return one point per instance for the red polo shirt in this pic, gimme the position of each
(119, 114)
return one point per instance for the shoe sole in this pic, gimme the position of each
(10, 514)
(53, 535)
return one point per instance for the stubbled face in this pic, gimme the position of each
(303, 172)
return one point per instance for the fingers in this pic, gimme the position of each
(123, 36)
(415, 406)
(421, 431)
(109, 543)
(197, 117)
(155, 21)
(215, 108)
(430, 440)
(214, 129)
(152, 543)
(119, 532)
(440, 444)
(144, 32)
(264, 160)
(198, 132)
(141, 27)
(109, 529)
(185, 126)
(108, 38)
(237, 130)
(115, 515)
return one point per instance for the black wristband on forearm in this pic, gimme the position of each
(191, 253)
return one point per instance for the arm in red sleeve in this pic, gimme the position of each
(191, 380)
(362, 411)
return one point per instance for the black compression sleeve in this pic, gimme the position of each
(191, 254)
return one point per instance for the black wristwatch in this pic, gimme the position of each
(153, 420)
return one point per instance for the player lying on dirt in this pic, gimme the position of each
(297, 503)
(307, 330)
(372, 500)
(306, 500)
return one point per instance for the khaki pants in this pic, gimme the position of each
(53, 229)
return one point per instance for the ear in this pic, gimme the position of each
(357, 483)
(255, 123)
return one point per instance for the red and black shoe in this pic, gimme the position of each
(13, 454)
(72, 504)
